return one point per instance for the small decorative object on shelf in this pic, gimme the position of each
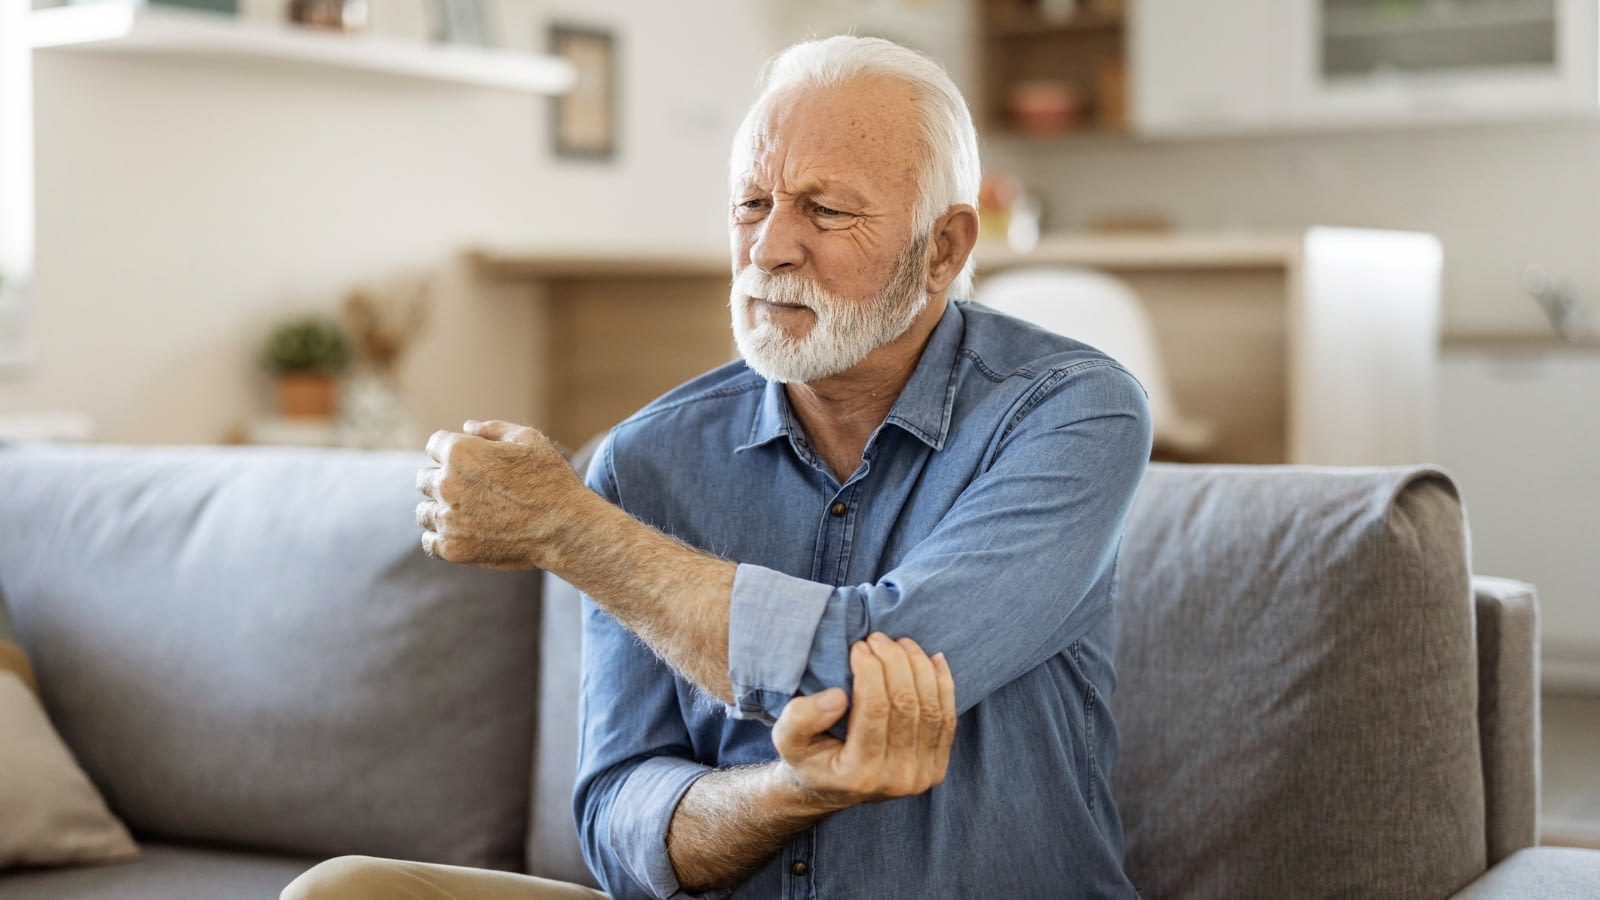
(335, 15)
(307, 355)
(382, 321)
(1046, 106)
(1007, 213)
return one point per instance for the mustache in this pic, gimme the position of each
(788, 288)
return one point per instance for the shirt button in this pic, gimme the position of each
(799, 868)
(837, 508)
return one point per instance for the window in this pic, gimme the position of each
(16, 173)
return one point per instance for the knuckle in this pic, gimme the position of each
(874, 707)
(906, 702)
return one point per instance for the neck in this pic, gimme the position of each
(841, 412)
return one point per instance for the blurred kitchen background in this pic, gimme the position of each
(1354, 231)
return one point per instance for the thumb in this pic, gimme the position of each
(807, 717)
(496, 430)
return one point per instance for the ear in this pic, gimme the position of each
(954, 235)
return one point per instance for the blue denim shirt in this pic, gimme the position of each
(984, 522)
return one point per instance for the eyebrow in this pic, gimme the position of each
(839, 191)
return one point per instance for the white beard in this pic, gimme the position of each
(844, 331)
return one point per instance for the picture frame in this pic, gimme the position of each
(463, 22)
(583, 121)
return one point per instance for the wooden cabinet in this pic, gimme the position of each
(1050, 67)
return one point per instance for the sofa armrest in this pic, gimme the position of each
(1508, 712)
(1549, 873)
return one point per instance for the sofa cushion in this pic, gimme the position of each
(50, 813)
(167, 872)
(1297, 685)
(247, 646)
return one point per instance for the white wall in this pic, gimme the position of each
(185, 205)
(1498, 197)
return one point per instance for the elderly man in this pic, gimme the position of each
(769, 550)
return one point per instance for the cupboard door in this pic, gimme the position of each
(1383, 62)
(1210, 67)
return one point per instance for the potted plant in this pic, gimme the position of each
(307, 354)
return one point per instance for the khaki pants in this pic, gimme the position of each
(368, 878)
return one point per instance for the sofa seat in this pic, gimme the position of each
(1548, 873)
(164, 871)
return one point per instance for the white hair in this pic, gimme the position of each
(950, 169)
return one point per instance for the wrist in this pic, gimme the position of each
(791, 790)
(579, 518)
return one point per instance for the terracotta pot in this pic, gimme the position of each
(307, 395)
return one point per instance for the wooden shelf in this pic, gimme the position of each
(1469, 342)
(1149, 251)
(1020, 44)
(1039, 26)
(122, 27)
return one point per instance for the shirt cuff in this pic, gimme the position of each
(774, 620)
(640, 815)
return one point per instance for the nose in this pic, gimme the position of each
(778, 244)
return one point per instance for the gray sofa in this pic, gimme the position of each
(248, 654)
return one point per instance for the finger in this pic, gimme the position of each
(430, 544)
(496, 430)
(439, 445)
(905, 709)
(869, 708)
(947, 704)
(428, 481)
(804, 720)
(425, 515)
(929, 709)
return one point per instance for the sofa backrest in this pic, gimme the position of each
(246, 646)
(1297, 690)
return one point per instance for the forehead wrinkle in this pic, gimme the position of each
(848, 136)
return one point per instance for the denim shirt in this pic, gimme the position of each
(984, 521)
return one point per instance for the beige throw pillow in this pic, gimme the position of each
(50, 813)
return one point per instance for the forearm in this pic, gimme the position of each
(731, 821)
(674, 597)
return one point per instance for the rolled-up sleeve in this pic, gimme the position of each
(641, 812)
(775, 630)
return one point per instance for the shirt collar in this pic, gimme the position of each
(923, 408)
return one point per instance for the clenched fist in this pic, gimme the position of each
(498, 498)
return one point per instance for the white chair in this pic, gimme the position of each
(1105, 313)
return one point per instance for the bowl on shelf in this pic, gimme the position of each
(1044, 106)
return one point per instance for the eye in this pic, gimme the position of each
(829, 217)
(752, 208)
